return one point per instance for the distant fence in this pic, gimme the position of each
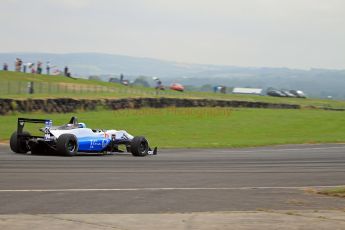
(59, 88)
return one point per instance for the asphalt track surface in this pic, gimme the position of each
(192, 180)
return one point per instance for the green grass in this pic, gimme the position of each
(14, 85)
(209, 127)
(338, 192)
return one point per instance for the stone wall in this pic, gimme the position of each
(66, 105)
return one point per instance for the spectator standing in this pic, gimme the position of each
(48, 68)
(66, 71)
(29, 66)
(159, 84)
(32, 67)
(5, 67)
(39, 67)
(18, 64)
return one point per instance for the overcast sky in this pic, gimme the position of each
(275, 33)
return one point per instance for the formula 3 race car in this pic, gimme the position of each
(73, 138)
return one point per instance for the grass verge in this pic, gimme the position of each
(337, 192)
(14, 85)
(209, 127)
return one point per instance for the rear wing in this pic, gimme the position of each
(22, 121)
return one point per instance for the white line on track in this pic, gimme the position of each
(159, 189)
(280, 150)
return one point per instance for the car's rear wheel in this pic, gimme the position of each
(67, 145)
(18, 144)
(139, 146)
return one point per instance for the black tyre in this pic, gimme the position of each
(19, 144)
(67, 145)
(139, 146)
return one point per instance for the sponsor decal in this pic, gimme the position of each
(104, 143)
(98, 143)
(95, 143)
(124, 137)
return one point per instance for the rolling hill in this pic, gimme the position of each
(319, 83)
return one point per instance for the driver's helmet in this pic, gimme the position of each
(81, 125)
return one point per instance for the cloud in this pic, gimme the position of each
(237, 32)
(74, 4)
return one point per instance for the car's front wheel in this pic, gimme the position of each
(139, 146)
(67, 145)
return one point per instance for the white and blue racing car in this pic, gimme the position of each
(75, 137)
